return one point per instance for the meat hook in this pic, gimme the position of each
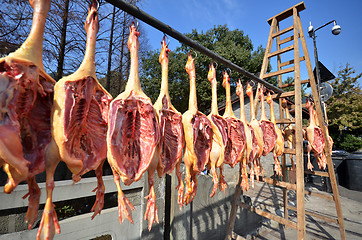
(168, 42)
(228, 69)
(92, 1)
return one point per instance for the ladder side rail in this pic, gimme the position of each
(281, 115)
(332, 175)
(298, 134)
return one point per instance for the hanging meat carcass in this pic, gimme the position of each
(279, 144)
(219, 128)
(257, 131)
(198, 137)
(169, 150)
(315, 138)
(132, 137)
(268, 128)
(235, 145)
(289, 132)
(79, 128)
(251, 142)
(26, 96)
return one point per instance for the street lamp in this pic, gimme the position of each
(336, 29)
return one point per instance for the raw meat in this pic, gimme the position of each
(132, 137)
(79, 127)
(172, 141)
(279, 145)
(219, 129)
(26, 95)
(198, 137)
(235, 145)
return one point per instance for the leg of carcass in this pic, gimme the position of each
(309, 165)
(180, 186)
(256, 169)
(277, 167)
(222, 183)
(244, 175)
(215, 180)
(49, 224)
(11, 151)
(194, 186)
(251, 172)
(125, 207)
(188, 179)
(151, 213)
(33, 206)
(261, 169)
(99, 203)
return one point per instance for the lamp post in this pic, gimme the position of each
(336, 29)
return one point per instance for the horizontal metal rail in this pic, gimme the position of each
(136, 12)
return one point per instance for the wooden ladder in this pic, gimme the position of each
(290, 66)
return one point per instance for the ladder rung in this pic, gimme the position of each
(268, 215)
(280, 51)
(284, 94)
(314, 214)
(285, 40)
(290, 151)
(303, 106)
(272, 74)
(288, 29)
(284, 121)
(291, 186)
(291, 62)
(317, 173)
(292, 83)
(321, 195)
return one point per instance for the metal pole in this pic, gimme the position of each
(136, 12)
(316, 63)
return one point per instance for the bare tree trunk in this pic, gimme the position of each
(121, 80)
(59, 73)
(108, 79)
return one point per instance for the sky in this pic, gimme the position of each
(251, 17)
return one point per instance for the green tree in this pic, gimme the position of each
(233, 45)
(344, 110)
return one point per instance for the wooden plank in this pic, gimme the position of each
(326, 196)
(283, 50)
(292, 84)
(289, 151)
(287, 185)
(292, 106)
(283, 95)
(298, 134)
(281, 115)
(237, 236)
(285, 40)
(291, 62)
(281, 32)
(321, 122)
(315, 214)
(234, 208)
(287, 13)
(269, 215)
(265, 64)
(285, 121)
(317, 173)
(283, 71)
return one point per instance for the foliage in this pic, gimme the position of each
(351, 143)
(233, 45)
(344, 109)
